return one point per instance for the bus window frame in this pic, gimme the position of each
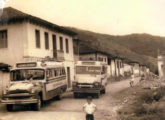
(56, 72)
(11, 72)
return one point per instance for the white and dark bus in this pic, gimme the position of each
(34, 82)
(91, 77)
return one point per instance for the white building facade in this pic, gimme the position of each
(33, 39)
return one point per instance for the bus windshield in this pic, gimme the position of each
(27, 74)
(88, 70)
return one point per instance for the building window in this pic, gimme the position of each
(61, 43)
(67, 45)
(54, 42)
(37, 33)
(46, 41)
(3, 39)
(105, 59)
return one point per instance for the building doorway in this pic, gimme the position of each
(68, 77)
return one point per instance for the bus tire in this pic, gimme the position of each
(97, 95)
(37, 106)
(104, 91)
(9, 107)
(59, 97)
(75, 95)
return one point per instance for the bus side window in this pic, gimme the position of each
(50, 73)
(103, 70)
(63, 71)
(55, 73)
(60, 71)
(47, 74)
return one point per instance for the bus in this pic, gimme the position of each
(33, 83)
(90, 77)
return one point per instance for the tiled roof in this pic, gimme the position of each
(11, 15)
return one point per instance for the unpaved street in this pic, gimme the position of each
(69, 108)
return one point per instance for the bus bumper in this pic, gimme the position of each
(86, 90)
(25, 101)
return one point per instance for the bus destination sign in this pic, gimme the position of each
(22, 65)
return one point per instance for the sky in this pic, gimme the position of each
(115, 17)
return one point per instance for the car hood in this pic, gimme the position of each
(20, 86)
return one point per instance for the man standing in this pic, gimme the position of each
(132, 80)
(89, 108)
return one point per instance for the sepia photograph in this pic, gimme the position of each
(82, 60)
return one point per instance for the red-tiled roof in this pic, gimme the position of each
(11, 15)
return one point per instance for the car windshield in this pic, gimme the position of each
(27, 74)
(88, 70)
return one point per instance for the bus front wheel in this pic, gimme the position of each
(9, 107)
(37, 106)
(97, 95)
(76, 95)
(103, 91)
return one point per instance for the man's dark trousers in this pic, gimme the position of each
(89, 117)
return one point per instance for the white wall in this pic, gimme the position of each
(16, 43)
(127, 68)
(42, 52)
(136, 69)
(113, 67)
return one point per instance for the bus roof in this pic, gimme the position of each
(41, 65)
(90, 63)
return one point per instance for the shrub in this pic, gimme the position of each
(147, 105)
(145, 97)
(159, 93)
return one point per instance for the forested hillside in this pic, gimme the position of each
(141, 48)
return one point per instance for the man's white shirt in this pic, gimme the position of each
(89, 108)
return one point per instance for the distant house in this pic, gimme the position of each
(96, 56)
(143, 70)
(135, 68)
(128, 70)
(161, 65)
(25, 38)
(115, 65)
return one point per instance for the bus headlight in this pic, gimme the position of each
(32, 91)
(96, 84)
